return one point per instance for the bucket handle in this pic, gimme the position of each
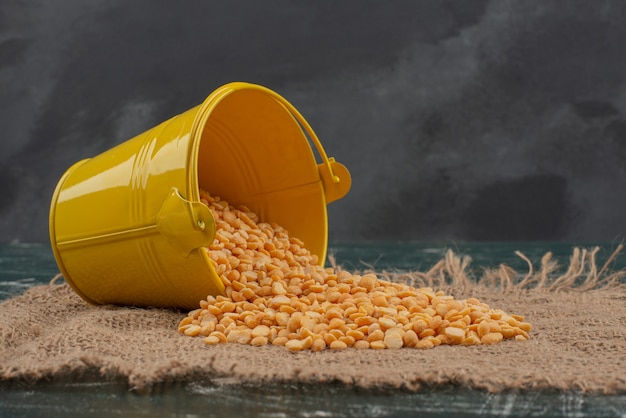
(186, 225)
(318, 145)
(335, 176)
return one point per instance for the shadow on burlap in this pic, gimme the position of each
(578, 340)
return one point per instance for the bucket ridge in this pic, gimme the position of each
(149, 258)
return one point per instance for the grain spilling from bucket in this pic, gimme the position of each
(276, 293)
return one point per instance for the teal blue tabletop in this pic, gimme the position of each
(25, 265)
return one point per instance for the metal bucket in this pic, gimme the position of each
(127, 227)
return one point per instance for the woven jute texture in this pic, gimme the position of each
(578, 339)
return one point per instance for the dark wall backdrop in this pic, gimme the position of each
(459, 120)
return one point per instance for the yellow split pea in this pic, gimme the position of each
(277, 294)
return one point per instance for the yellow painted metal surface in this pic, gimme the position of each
(127, 226)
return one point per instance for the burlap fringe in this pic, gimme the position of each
(453, 271)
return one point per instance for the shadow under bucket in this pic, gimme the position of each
(127, 227)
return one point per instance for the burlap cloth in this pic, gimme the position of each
(578, 340)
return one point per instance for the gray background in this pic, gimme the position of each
(459, 120)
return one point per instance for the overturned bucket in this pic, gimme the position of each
(127, 226)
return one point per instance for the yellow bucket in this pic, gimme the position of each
(127, 226)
